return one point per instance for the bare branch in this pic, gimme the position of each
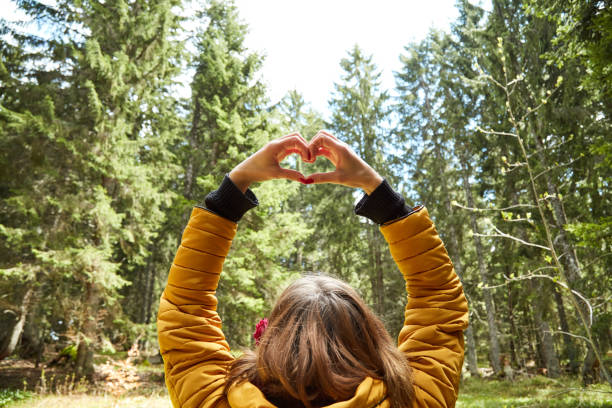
(494, 132)
(543, 268)
(456, 204)
(554, 146)
(556, 167)
(586, 302)
(568, 334)
(490, 78)
(501, 234)
(605, 302)
(529, 220)
(594, 261)
(552, 278)
(542, 103)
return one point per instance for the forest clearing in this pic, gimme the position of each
(118, 117)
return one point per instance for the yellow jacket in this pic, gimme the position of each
(196, 354)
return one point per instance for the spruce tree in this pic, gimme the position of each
(101, 180)
(229, 120)
(361, 118)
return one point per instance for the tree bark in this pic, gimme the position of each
(84, 359)
(376, 278)
(13, 339)
(484, 276)
(571, 350)
(547, 347)
(514, 337)
(149, 293)
(568, 258)
(453, 247)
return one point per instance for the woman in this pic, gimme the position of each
(323, 346)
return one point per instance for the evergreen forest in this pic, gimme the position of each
(500, 126)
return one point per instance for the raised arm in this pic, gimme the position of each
(196, 355)
(436, 312)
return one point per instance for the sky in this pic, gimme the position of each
(304, 41)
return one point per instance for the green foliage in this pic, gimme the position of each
(8, 396)
(70, 351)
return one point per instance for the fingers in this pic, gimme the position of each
(325, 144)
(293, 143)
(326, 133)
(320, 178)
(290, 174)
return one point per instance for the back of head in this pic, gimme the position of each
(322, 341)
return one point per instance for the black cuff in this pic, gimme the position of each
(383, 205)
(229, 202)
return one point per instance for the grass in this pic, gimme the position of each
(93, 401)
(536, 392)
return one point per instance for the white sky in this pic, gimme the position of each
(304, 41)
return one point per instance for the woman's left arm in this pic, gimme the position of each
(196, 354)
(192, 344)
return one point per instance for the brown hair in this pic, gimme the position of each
(322, 341)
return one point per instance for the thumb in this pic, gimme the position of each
(289, 174)
(330, 177)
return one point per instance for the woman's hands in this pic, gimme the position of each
(350, 171)
(264, 164)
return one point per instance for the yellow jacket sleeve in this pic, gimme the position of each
(192, 344)
(436, 311)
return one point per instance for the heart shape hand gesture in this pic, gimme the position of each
(264, 164)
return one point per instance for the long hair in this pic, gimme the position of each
(322, 341)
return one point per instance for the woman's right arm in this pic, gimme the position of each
(436, 312)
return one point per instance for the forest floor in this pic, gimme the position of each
(533, 392)
(120, 384)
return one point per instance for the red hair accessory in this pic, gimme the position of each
(260, 328)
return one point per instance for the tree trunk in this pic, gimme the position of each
(547, 347)
(13, 339)
(380, 283)
(472, 358)
(514, 337)
(532, 341)
(571, 350)
(488, 298)
(84, 359)
(149, 293)
(453, 247)
(455, 255)
(568, 259)
(191, 167)
(376, 277)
